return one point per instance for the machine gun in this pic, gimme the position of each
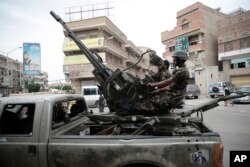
(118, 87)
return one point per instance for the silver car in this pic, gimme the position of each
(193, 91)
(217, 88)
(243, 89)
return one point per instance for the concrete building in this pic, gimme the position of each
(102, 36)
(234, 48)
(196, 32)
(11, 75)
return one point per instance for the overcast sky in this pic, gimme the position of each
(142, 21)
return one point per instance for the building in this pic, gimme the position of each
(102, 36)
(234, 48)
(196, 32)
(11, 75)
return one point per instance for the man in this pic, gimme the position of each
(168, 92)
(101, 103)
(162, 73)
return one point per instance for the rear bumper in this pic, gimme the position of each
(215, 94)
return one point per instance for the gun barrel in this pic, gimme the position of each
(90, 56)
(212, 104)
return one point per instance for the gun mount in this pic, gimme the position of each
(180, 123)
(117, 86)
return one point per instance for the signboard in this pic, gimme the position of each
(80, 59)
(80, 71)
(181, 43)
(89, 43)
(31, 58)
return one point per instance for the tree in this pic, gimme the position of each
(33, 87)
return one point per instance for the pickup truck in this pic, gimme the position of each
(58, 131)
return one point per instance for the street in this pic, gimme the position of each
(231, 122)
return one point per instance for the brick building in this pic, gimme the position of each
(102, 36)
(196, 27)
(234, 47)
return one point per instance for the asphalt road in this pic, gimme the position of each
(231, 122)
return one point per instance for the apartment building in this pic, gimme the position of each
(196, 32)
(234, 47)
(102, 36)
(11, 75)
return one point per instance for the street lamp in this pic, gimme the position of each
(12, 50)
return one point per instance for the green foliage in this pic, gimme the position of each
(33, 87)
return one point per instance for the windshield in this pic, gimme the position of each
(192, 87)
(244, 89)
(215, 84)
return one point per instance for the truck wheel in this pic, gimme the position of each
(196, 97)
(212, 96)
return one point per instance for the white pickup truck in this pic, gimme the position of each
(57, 131)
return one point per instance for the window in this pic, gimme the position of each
(185, 26)
(240, 63)
(245, 42)
(171, 48)
(228, 46)
(67, 111)
(193, 40)
(17, 119)
(90, 91)
(220, 66)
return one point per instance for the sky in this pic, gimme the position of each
(142, 21)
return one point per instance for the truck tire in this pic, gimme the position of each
(212, 96)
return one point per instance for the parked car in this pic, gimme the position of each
(243, 89)
(193, 91)
(217, 88)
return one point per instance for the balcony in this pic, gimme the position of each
(110, 47)
(197, 47)
(194, 28)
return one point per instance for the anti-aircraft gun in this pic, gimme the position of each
(117, 86)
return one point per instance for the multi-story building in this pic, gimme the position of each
(196, 32)
(102, 36)
(11, 75)
(234, 47)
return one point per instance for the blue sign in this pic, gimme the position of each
(31, 58)
(181, 43)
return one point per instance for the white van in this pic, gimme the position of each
(91, 95)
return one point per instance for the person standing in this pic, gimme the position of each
(101, 103)
(227, 93)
